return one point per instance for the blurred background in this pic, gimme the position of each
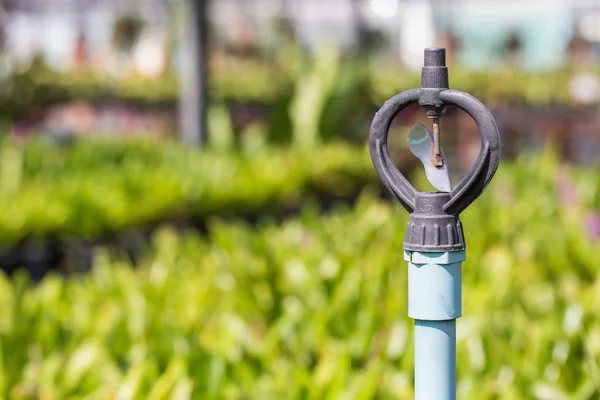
(188, 208)
(103, 67)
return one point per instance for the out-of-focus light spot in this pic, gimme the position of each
(589, 27)
(384, 8)
(417, 31)
(397, 340)
(149, 57)
(572, 320)
(584, 88)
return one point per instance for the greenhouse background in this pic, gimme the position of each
(188, 209)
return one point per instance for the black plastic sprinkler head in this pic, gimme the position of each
(434, 224)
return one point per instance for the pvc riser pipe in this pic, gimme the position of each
(435, 360)
(434, 302)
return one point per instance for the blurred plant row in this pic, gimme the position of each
(336, 92)
(94, 188)
(316, 307)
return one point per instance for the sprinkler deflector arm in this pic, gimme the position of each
(434, 243)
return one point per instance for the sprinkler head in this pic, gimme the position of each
(434, 223)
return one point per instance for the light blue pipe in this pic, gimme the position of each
(435, 302)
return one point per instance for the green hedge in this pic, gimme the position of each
(41, 86)
(93, 188)
(249, 81)
(315, 308)
(503, 87)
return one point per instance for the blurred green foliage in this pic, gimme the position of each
(262, 82)
(502, 87)
(315, 308)
(305, 99)
(92, 188)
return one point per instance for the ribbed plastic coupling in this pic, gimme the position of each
(430, 228)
